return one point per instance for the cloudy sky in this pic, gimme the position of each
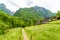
(13, 5)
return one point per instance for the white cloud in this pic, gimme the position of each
(53, 5)
(9, 6)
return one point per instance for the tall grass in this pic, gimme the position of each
(12, 34)
(49, 31)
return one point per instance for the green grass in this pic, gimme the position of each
(49, 31)
(13, 34)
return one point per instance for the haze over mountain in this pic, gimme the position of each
(4, 9)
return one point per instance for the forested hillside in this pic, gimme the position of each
(34, 15)
(8, 22)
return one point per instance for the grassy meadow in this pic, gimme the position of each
(13, 34)
(49, 31)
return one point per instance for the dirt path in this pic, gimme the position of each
(24, 35)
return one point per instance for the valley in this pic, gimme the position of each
(33, 23)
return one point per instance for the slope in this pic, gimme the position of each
(49, 31)
(12, 34)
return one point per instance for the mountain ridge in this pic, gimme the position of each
(3, 8)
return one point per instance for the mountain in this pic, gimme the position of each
(33, 15)
(3, 8)
(43, 11)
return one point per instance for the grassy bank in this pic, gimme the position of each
(49, 31)
(12, 34)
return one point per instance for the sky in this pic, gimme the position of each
(13, 5)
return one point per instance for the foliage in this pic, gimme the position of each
(58, 13)
(7, 22)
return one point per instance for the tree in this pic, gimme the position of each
(58, 15)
